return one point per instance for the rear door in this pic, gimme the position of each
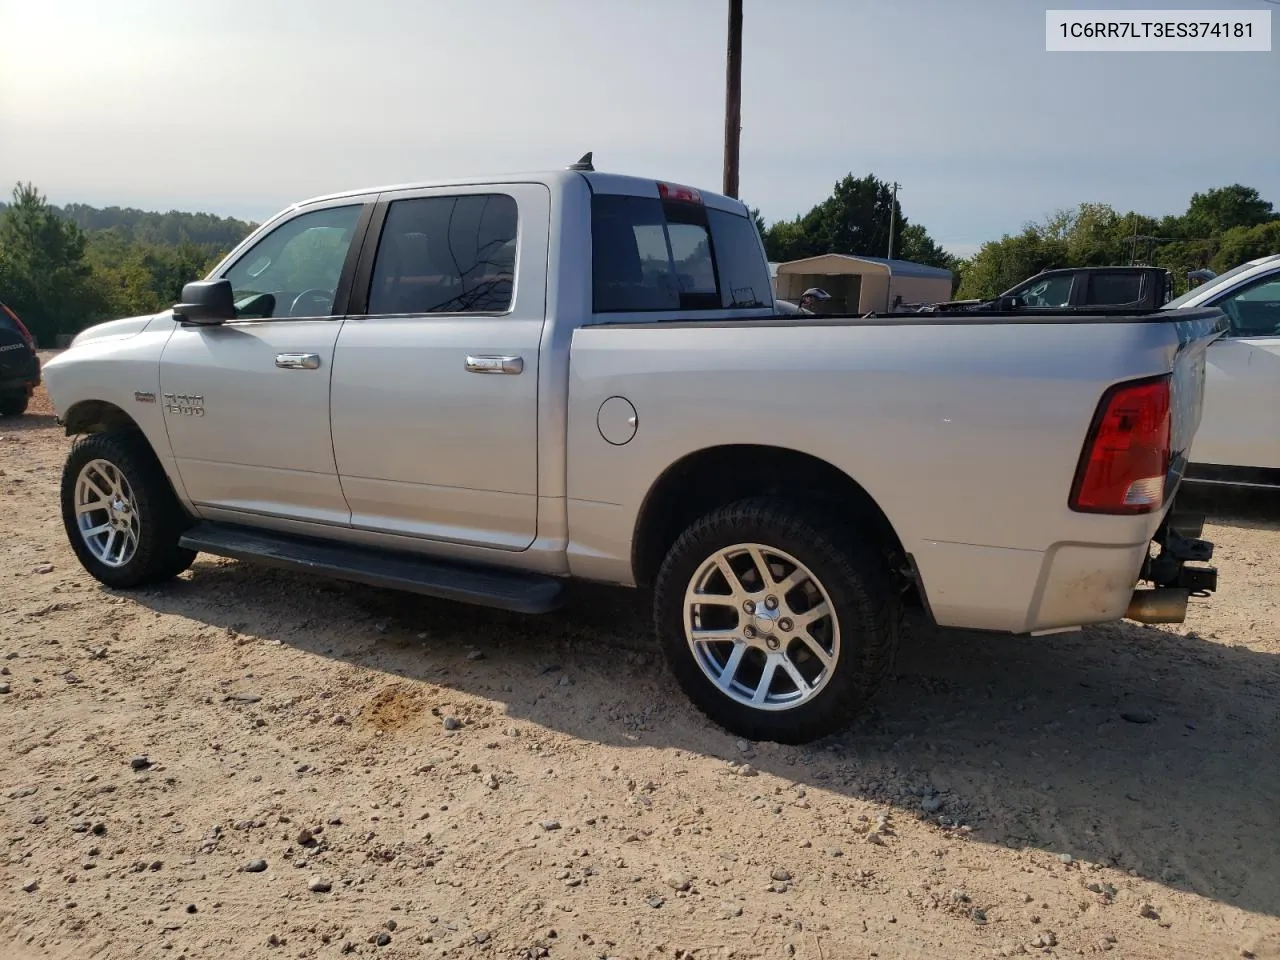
(1240, 426)
(435, 381)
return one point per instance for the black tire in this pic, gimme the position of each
(157, 556)
(864, 596)
(13, 404)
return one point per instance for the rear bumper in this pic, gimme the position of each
(1068, 585)
(24, 375)
(19, 384)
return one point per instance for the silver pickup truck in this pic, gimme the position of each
(480, 389)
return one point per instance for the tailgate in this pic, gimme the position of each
(1196, 329)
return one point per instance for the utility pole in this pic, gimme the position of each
(893, 218)
(733, 99)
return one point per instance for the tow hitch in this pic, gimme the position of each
(1175, 582)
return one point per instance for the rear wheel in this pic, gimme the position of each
(776, 626)
(120, 513)
(13, 404)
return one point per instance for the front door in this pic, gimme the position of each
(435, 386)
(246, 403)
(1240, 425)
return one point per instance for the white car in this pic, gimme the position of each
(1238, 443)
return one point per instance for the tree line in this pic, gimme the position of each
(1221, 228)
(64, 268)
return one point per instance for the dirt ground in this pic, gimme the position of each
(336, 770)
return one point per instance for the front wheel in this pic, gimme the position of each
(777, 625)
(120, 513)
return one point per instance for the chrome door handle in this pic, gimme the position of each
(495, 364)
(298, 361)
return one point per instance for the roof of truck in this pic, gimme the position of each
(600, 182)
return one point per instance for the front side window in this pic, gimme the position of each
(1052, 291)
(294, 270)
(446, 255)
(1255, 310)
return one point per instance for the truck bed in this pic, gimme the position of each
(966, 431)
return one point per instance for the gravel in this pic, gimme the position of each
(677, 881)
(957, 703)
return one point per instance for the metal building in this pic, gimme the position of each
(862, 284)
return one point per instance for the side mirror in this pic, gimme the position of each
(1005, 304)
(206, 301)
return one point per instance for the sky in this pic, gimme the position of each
(240, 107)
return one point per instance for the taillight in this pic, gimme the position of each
(1126, 457)
(674, 191)
(22, 329)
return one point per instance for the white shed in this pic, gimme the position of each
(862, 284)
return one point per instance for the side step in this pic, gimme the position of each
(485, 586)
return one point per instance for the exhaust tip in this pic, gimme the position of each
(1161, 605)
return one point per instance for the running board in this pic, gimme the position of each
(485, 586)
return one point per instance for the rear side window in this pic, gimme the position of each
(446, 255)
(1114, 288)
(744, 274)
(652, 255)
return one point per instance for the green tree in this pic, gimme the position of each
(1222, 208)
(855, 220)
(1242, 244)
(45, 272)
(914, 243)
(1221, 228)
(999, 264)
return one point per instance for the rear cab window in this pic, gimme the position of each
(1114, 289)
(652, 254)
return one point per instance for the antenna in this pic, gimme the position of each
(584, 163)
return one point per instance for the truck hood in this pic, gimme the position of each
(117, 329)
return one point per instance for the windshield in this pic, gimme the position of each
(1208, 285)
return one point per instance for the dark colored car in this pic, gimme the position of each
(1077, 288)
(19, 365)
